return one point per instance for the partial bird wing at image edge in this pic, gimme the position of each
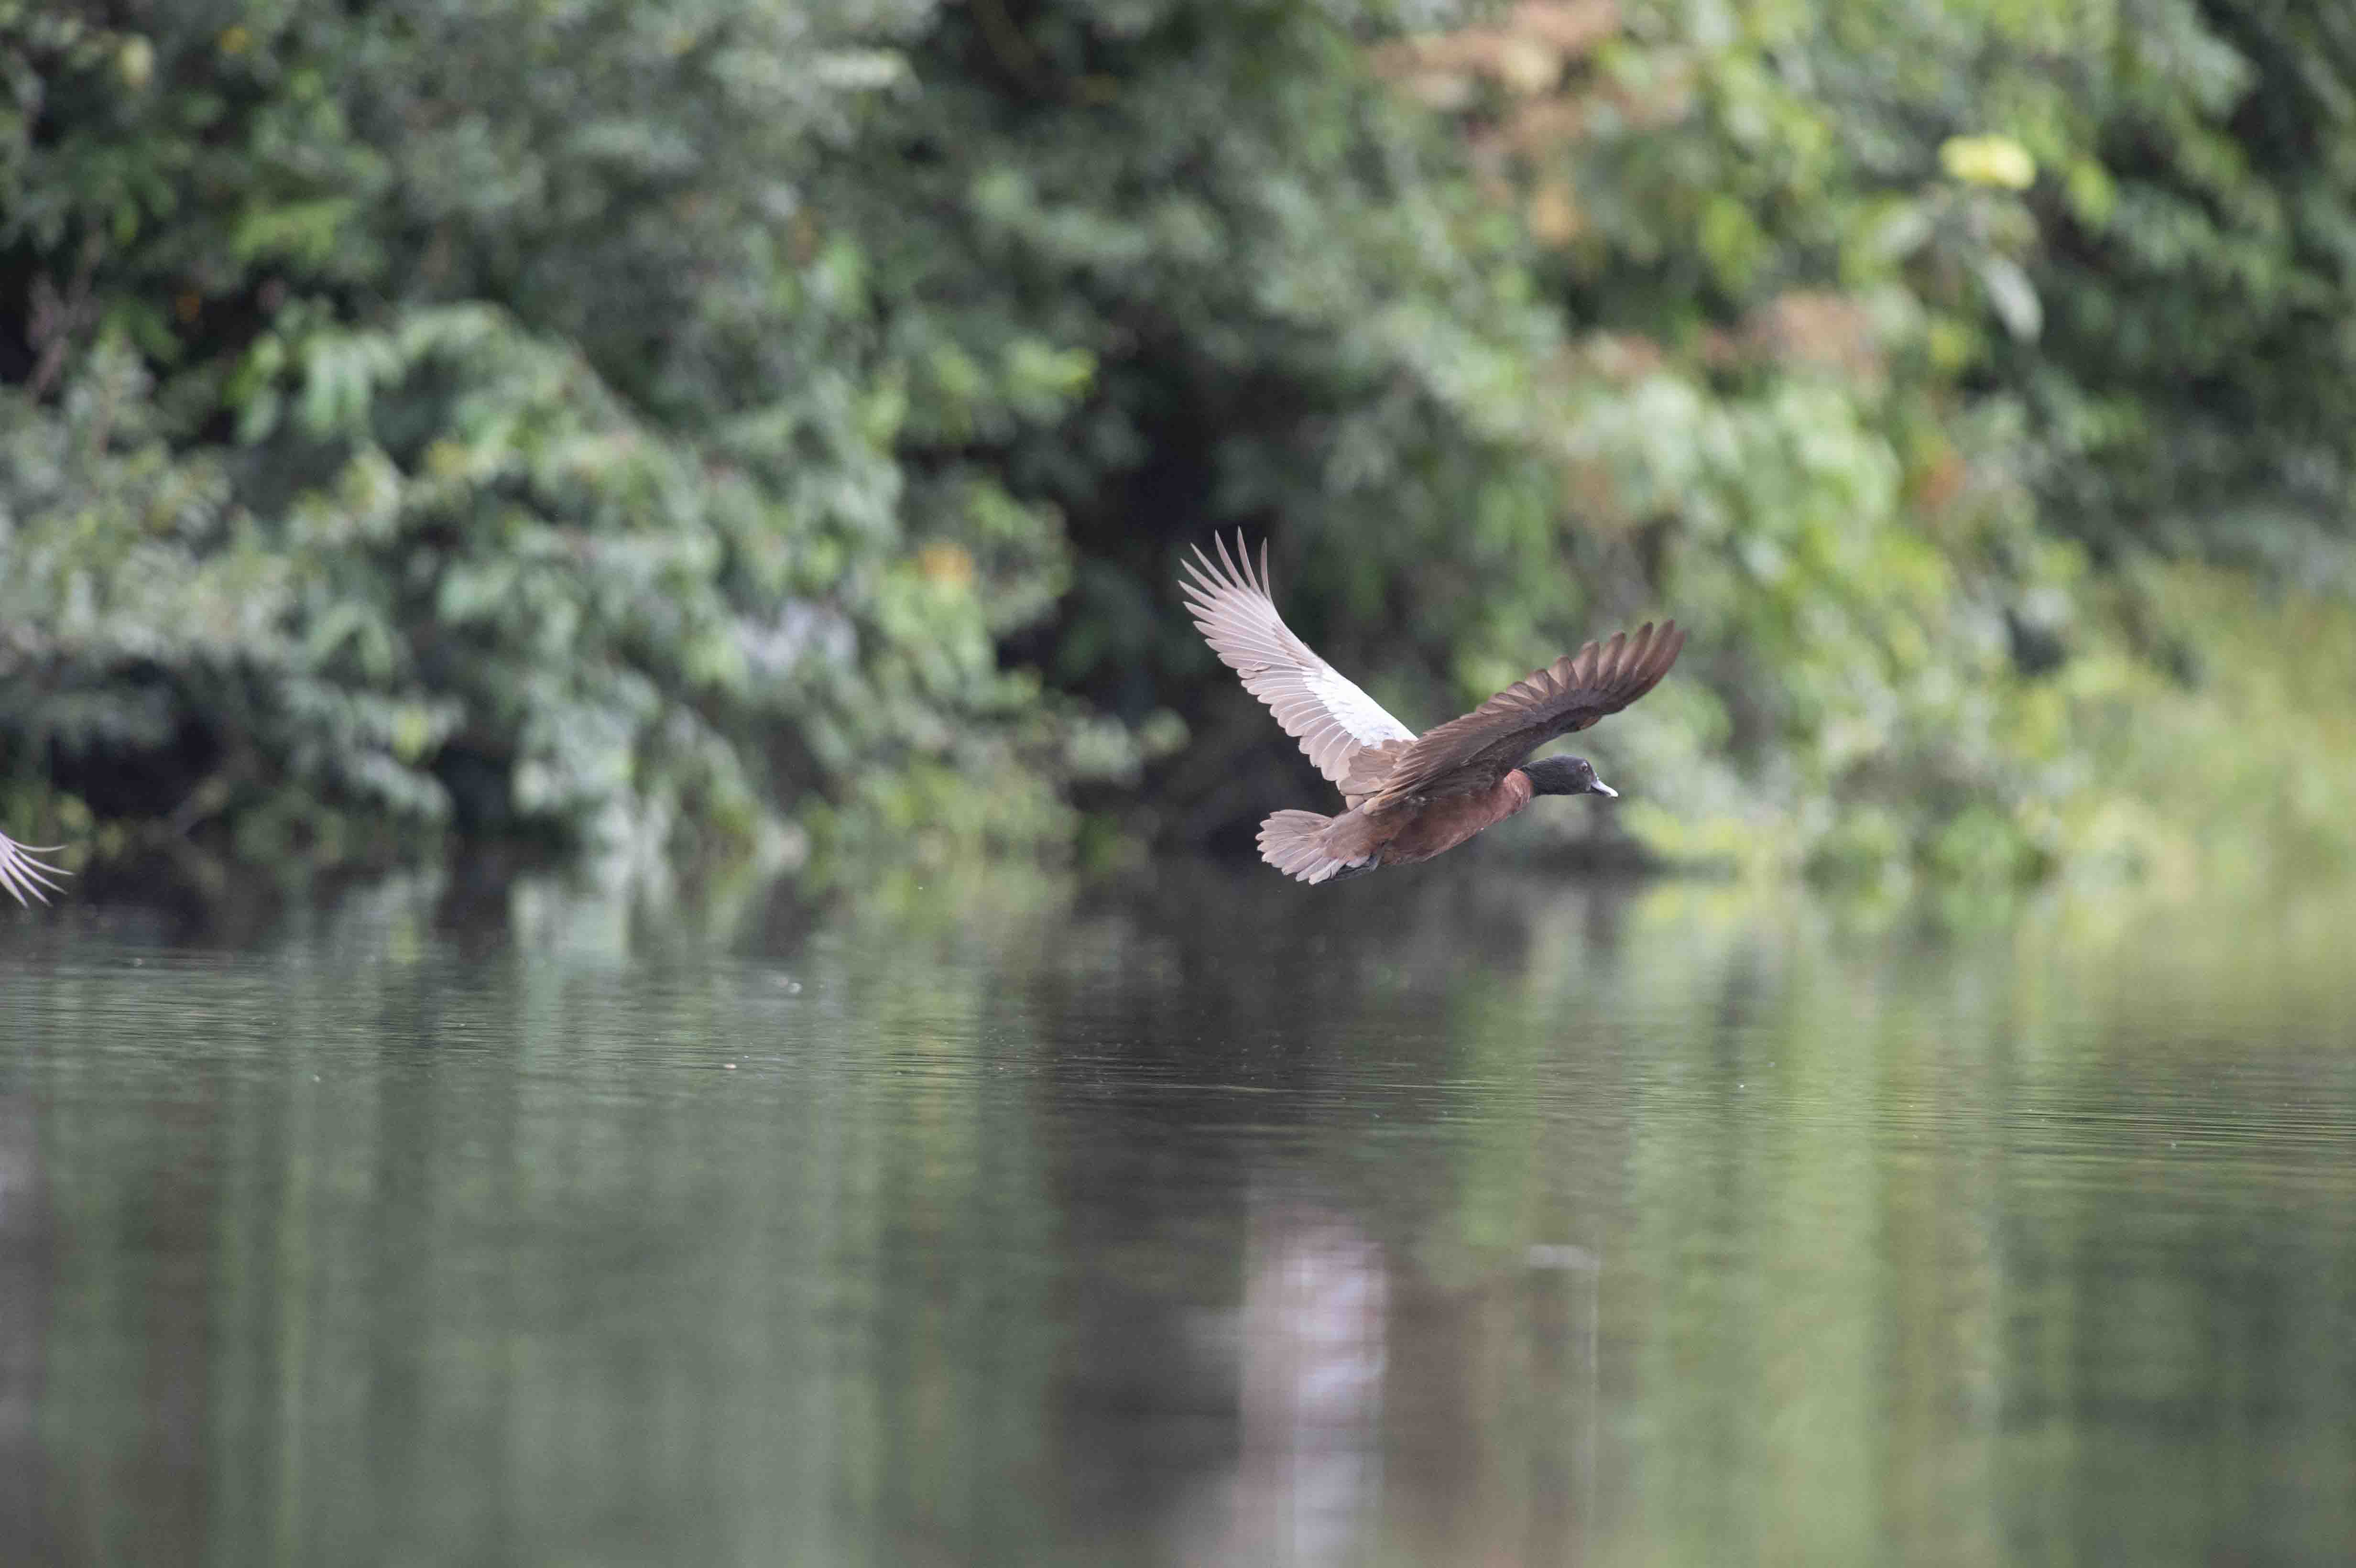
(25, 876)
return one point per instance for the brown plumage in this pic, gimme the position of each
(1410, 798)
(25, 876)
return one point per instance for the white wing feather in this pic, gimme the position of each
(1318, 705)
(22, 875)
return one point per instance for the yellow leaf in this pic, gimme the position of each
(945, 563)
(1990, 160)
(137, 62)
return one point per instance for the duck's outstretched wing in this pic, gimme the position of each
(1335, 722)
(25, 876)
(1477, 751)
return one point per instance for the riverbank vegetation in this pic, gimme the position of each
(743, 430)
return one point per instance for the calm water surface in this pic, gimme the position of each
(1450, 1220)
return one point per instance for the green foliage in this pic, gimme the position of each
(511, 443)
(709, 422)
(1901, 301)
(2159, 276)
(1762, 415)
(2198, 389)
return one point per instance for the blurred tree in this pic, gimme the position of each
(2195, 390)
(484, 411)
(642, 423)
(2064, 273)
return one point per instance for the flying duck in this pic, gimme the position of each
(1410, 798)
(22, 875)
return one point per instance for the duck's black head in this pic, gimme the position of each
(1565, 775)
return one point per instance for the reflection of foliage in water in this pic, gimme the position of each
(413, 1234)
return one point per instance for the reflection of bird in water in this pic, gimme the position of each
(1410, 797)
(1312, 1355)
(26, 875)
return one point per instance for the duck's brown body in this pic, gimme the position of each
(1404, 837)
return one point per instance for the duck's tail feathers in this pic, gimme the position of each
(1297, 843)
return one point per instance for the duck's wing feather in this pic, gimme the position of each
(26, 876)
(1337, 724)
(1477, 751)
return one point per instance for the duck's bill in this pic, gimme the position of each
(1599, 787)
